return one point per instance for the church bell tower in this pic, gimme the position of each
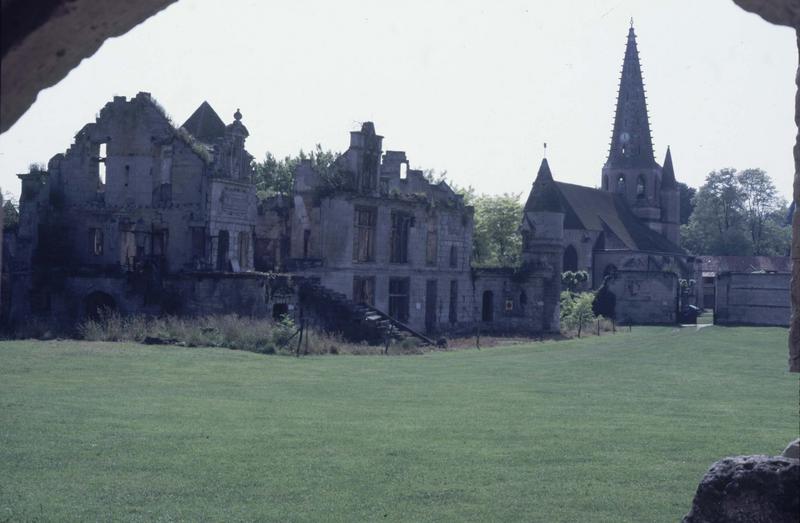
(631, 169)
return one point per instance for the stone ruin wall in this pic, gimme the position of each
(645, 297)
(752, 299)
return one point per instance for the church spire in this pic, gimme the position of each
(668, 173)
(631, 143)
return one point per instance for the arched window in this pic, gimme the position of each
(570, 259)
(640, 187)
(621, 184)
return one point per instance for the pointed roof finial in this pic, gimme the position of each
(237, 115)
(545, 150)
(631, 22)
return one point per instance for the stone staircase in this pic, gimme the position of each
(356, 321)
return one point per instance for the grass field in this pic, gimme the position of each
(617, 428)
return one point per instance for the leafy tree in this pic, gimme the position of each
(496, 238)
(717, 223)
(761, 202)
(685, 196)
(737, 214)
(273, 176)
(576, 310)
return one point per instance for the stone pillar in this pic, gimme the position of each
(794, 327)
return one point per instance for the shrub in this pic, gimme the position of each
(576, 310)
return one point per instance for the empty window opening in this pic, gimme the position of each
(244, 249)
(159, 243)
(364, 289)
(398, 298)
(101, 165)
(487, 306)
(453, 256)
(570, 259)
(306, 242)
(198, 243)
(223, 245)
(96, 241)
(432, 245)
(640, 187)
(401, 223)
(364, 237)
(403, 171)
(453, 312)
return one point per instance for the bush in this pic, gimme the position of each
(576, 310)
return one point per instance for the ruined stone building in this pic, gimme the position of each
(142, 216)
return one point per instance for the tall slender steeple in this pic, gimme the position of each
(668, 181)
(631, 143)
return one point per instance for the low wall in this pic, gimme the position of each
(645, 297)
(752, 299)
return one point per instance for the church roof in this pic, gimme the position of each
(544, 195)
(597, 210)
(631, 142)
(205, 124)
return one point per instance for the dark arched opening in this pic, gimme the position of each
(640, 187)
(621, 184)
(99, 304)
(570, 259)
(487, 308)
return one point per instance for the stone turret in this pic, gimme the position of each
(670, 202)
(631, 169)
(542, 231)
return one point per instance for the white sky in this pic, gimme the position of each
(473, 87)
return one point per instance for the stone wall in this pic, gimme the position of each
(752, 299)
(507, 302)
(645, 297)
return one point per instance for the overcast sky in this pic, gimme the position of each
(471, 87)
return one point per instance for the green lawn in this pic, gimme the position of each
(617, 428)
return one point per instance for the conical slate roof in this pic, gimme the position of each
(205, 124)
(544, 194)
(631, 143)
(668, 173)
